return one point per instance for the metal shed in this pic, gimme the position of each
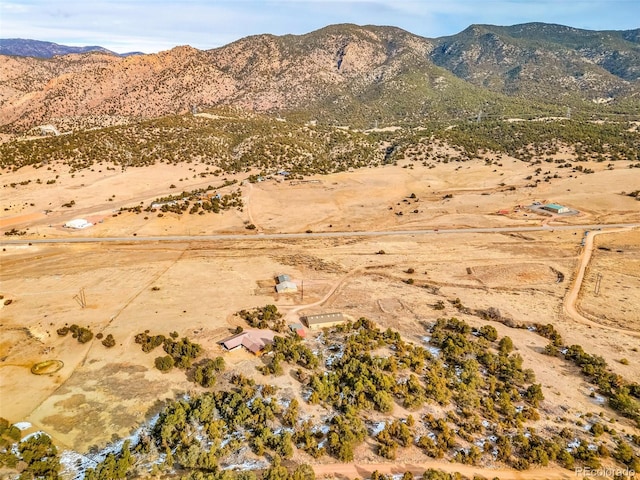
(324, 320)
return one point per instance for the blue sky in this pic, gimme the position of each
(153, 25)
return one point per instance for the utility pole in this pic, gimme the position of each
(80, 298)
(597, 286)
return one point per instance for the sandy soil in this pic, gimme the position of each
(101, 393)
(117, 387)
(367, 199)
(360, 470)
(609, 292)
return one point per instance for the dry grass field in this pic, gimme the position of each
(194, 287)
(612, 281)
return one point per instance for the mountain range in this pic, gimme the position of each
(23, 47)
(340, 74)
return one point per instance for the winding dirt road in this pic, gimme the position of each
(570, 300)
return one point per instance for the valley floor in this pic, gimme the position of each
(194, 285)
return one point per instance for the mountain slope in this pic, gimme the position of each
(35, 48)
(341, 74)
(539, 60)
(338, 74)
(350, 74)
(93, 84)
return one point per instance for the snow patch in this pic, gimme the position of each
(74, 464)
(574, 444)
(39, 432)
(324, 429)
(435, 351)
(377, 427)
(306, 395)
(332, 358)
(247, 465)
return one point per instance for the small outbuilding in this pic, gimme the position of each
(286, 287)
(555, 208)
(78, 223)
(299, 329)
(282, 278)
(323, 320)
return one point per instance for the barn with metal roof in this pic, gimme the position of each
(323, 320)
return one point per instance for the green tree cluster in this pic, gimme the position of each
(82, 334)
(40, 456)
(264, 317)
(149, 342)
(206, 371)
(290, 349)
(622, 395)
(182, 351)
(345, 433)
(395, 434)
(114, 466)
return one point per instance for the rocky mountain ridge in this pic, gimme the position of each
(24, 47)
(341, 74)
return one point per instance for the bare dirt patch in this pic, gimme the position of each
(510, 275)
(311, 262)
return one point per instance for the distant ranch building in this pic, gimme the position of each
(315, 322)
(78, 223)
(555, 208)
(286, 287)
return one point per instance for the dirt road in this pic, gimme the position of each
(291, 314)
(289, 236)
(354, 470)
(571, 299)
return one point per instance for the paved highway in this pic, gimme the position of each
(289, 236)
